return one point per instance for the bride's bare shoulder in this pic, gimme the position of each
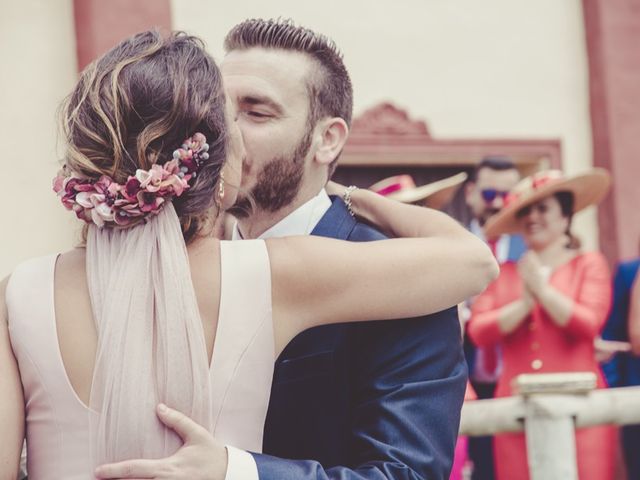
(74, 258)
(203, 248)
(71, 261)
(77, 254)
(71, 268)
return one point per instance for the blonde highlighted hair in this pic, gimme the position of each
(137, 103)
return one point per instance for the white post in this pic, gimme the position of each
(551, 446)
(550, 431)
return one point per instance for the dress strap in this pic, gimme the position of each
(30, 304)
(33, 332)
(243, 354)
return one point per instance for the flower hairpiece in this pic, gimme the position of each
(106, 202)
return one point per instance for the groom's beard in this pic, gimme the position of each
(278, 183)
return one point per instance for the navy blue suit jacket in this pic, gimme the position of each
(624, 369)
(371, 400)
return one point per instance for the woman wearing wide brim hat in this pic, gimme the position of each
(546, 310)
(433, 195)
(587, 189)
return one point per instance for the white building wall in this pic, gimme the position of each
(38, 58)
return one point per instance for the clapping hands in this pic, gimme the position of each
(531, 271)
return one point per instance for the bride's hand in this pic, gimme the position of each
(334, 188)
(201, 457)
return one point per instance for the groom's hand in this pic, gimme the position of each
(200, 458)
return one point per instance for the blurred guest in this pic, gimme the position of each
(487, 188)
(433, 195)
(546, 309)
(624, 368)
(490, 183)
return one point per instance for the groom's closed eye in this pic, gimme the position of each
(260, 104)
(254, 113)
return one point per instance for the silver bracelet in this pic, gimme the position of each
(346, 197)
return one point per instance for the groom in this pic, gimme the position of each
(377, 400)
(350, 401)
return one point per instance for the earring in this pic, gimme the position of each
(221, 188)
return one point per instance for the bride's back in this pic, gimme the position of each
(147, 140)
(51, 326)
(73, 315)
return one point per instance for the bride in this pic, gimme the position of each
(152, 309)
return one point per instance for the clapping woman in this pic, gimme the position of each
(546, 310)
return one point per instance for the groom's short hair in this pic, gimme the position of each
(329, 86)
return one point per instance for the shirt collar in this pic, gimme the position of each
(476, 229)
(301, 221)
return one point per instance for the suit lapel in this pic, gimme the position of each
(336, 222)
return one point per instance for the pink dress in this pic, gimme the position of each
(57, 422)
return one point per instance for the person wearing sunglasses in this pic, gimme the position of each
(485, 192)
(489, 184)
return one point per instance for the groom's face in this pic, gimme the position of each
(271, 95)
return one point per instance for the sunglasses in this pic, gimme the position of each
(490, 194)
(541, 208)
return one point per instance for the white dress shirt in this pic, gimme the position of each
(502, 244)
(482, 373)
(302, 221)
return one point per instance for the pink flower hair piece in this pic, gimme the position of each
(106, 202)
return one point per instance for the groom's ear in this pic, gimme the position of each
(331, 136)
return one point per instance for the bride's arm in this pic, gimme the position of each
(11, 399)
(317, 281)
(397, 219)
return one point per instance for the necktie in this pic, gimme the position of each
(493, 245)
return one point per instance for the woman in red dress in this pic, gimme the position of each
(546, 310)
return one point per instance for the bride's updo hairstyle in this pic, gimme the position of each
(134, 106)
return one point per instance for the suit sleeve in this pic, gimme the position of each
(409, 381)
(616, 326)
(593, 300)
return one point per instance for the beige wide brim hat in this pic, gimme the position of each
(434, 195)
(588, 189)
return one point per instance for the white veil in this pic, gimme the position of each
(151, 346)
